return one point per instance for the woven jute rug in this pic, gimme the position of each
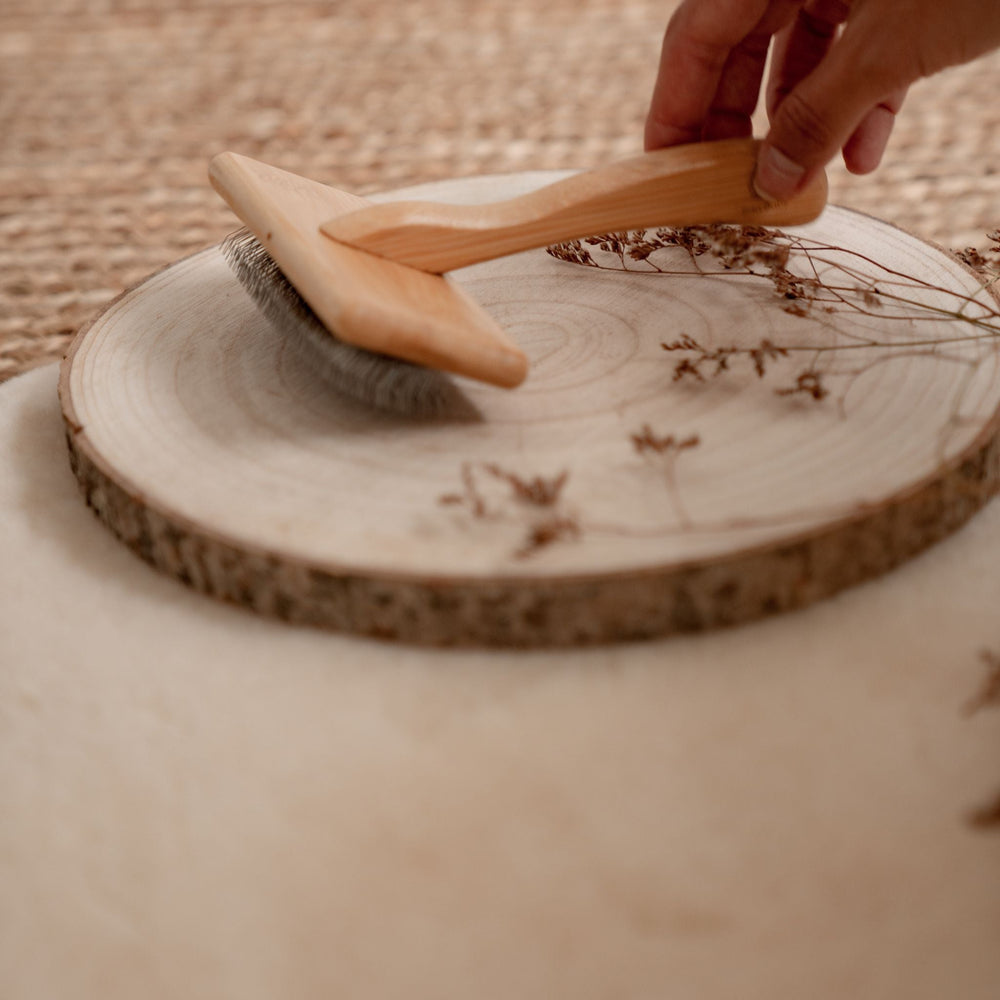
(110, 110)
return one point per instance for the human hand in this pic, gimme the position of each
(840, 70)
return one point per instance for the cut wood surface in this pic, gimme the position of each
(766, 459)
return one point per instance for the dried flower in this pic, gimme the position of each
(615, 243)
(986, 816)
(765, 351)
(988, 696)
(719, 357)
(572, 252)
(469, 497)
(685, 343)
(647, 441)
(539, 490)
(870, 297)
(807, 383)
(685, 367)
(973, 258)
(664, 450)
(547, 532)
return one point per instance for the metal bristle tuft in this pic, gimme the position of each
(378, 380)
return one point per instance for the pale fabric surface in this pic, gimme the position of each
(199, 803)
(110, 110)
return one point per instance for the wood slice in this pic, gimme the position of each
(694, 446)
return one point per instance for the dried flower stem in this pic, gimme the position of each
(665, 449)
(740, 252)
(828, 279)
(537, 493)
(988, 695)
(986, 816)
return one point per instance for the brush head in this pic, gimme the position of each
(375, 380)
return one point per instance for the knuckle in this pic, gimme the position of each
(797, 116)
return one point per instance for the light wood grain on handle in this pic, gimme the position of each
(680, 186)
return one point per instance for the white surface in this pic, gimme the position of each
(200, 804)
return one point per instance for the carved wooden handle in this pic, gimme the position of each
(681, 186)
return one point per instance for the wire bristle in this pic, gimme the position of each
(378, 380)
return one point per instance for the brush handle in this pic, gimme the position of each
(686, 185)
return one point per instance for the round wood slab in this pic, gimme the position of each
(688, 451)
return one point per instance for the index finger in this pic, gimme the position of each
(698, 44)
(803, 45)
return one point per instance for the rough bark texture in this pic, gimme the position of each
(541, 612)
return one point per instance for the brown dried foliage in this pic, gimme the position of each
(807, 383)
(986, 816)
(986, 265)
(988, 695)
(645, 441)
(541, 492)
(547, 532)
(844, 282)
(752, 249)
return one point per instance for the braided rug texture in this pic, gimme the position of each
(111, 109)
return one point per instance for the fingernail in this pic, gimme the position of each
(777, 177)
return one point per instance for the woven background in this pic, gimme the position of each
(110, 110)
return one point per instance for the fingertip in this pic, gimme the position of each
(866, 145)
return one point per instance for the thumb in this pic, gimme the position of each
(816, 119)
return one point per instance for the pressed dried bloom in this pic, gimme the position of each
(808, 383)
(546, 533)
(646, 440)
(986, 267)
(988, 696)
(615, 243)
(766, 254)
(870, 297)
(688, 239)
(796, 309)
(986, 816)
(643, 249)
(470, 497)
(719, 357)
(539, 490)
(973, 258)
(775, 258)
(765, 351)
(687, 367)
(683, 343)
(572, 252)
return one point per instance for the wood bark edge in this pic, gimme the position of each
(543, 611)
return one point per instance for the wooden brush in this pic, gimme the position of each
(353, 311)
(377, 380)
(354, 278)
